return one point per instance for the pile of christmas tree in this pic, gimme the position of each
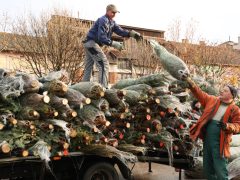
(45, 117)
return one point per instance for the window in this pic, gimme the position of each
(124, 64)
(124, 76)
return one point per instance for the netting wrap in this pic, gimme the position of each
(173, 64)
(41, 149)
(11, 86)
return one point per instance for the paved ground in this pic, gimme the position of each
(160, 172)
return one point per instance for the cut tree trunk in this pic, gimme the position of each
(28, 113)
(62, 107)
(55, 87)
(5, 147)
(119, 124)
(31, 84)
(57, 102)
(114, 115)
(46, 111)
(90, 113)
(33, 99)
(133, 97)
(76, 99)
(114, 97)
(89, 89)
(102, 104)
(153, 100)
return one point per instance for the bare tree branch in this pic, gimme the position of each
(4, 28)
(51, 43)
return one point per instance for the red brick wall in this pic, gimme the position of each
(112, 77)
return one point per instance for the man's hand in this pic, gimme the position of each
(222, 125)
(117, 45)
(135, 35)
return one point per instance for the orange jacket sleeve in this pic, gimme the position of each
(234, 125)
(201, 96)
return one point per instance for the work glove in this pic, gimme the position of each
(222, 125)
(117, 45)
(135, 35)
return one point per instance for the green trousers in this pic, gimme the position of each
(214, 165)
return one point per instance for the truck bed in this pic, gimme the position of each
(32, 167)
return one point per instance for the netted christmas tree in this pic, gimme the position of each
(47, 118)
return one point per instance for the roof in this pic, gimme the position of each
(11, 42)
(230, 43)
(142, 29)
(7, 41)
(123, 26)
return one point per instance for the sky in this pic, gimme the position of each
(215, 20)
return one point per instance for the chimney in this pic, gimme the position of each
(185, 41)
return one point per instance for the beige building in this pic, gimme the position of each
(9, 58)
(123, 64)
(133, 62)
(234, 45)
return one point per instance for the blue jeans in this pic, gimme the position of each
(94, 54)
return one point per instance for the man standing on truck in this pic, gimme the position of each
(220, 119)
(100, 34)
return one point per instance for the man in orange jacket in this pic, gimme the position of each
(220, 119)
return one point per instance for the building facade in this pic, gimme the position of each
(136, 60)
(122, 64)
(231, 44)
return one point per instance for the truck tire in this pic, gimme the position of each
(101, 171)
